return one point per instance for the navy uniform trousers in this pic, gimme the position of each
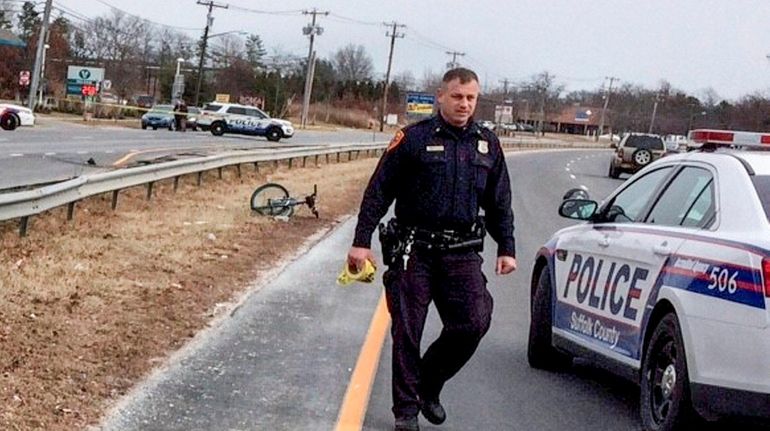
(453, 281)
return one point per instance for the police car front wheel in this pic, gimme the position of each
(665, 387)
(217, 128)
(540, 351)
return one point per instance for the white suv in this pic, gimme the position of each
(223, 118)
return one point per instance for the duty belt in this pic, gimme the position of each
(399, 241)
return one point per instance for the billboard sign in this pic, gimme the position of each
(78, 76)
(420, 104)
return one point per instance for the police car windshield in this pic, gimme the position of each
(762, 186)
(212, 107)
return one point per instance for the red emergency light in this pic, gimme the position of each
(729, 138)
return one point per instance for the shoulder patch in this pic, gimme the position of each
(396, 141)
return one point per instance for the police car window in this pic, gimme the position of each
(627, 206)
(212, 107)
(686, 201)
(236, 110)
(762, 186)
(254, 113)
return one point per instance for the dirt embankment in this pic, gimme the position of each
(88, 307)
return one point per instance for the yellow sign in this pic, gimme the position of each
(223, 98)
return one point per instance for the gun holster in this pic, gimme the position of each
(390, 241)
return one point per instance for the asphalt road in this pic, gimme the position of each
(56, 150)
(284, 359)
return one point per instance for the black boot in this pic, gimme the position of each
(433, 411)
(407, 424)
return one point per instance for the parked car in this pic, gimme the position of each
(25, 116)
(192, 117)
(524, 127)
(488, 124)
(221, 118)
(635, 151)
(159, 116)
(144, 101)
(668, 284)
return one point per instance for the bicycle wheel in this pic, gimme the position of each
(271, 200)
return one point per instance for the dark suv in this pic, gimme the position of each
(635, 151)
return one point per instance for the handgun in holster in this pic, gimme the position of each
(390, 241)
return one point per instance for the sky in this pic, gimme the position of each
(693, 44)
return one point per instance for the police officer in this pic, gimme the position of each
(440, 172)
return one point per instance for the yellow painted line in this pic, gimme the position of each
(353, 409)
(125, 159)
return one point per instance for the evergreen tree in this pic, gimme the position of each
(255, 51)
(29, 21)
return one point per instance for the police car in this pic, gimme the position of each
(668, 283)
(223, 118)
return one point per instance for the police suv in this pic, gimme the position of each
(668, 283)
(223, 118)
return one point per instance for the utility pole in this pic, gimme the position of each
(39, 56)
(311, 31)
(209, 22)
(654, 111)
(393, 35)
(454, 64)
(604, 109)
(505, 83)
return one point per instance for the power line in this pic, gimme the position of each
(454, 63)
(145, 19)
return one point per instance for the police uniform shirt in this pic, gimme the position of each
(440, 175)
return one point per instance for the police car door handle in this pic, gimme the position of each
(604, 242)
(661, 249)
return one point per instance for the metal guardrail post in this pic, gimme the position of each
(115, 199)
(338, 157)
(238, 169)
(304, 161)
(70, 211)
(149, 190)
(256, 167)
(327, 158)
(23, 226)
(290, 162)
(219, 173)
(316, 160)
(176, 183)
(200, 178)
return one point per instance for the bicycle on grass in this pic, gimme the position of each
(273, 199)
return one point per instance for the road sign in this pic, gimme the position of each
(88, 90)
(85, 75)
(106, 85)
(24, 78)
(420, 103)
(223, 98)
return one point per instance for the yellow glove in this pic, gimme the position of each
(366, 275)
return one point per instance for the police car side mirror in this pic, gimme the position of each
(576, 193)
(578, 209)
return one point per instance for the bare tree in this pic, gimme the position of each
(226, 50)
(352, 63)
(431, 81)
(405, 80)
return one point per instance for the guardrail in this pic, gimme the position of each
(24, 204)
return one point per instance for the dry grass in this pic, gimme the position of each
(88, 307)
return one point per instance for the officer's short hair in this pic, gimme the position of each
(464, 75)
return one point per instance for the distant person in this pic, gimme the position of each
(180, 118)
(440, 172)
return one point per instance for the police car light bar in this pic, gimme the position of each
(729, 137)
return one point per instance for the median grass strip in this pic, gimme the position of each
(89, 307)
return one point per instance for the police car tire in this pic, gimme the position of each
(641, 157)
(540, 351)
(9, 121)
(660, 412)
(217, 128)
(274, 134)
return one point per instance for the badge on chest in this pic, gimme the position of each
(483, 146)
